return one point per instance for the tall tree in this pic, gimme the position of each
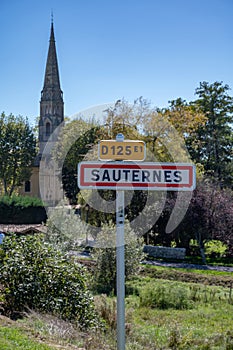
(127, 118)
(213, 147)
(171, 127)
(76, 143)
(17, 151)
(185, 117)
(164, 130)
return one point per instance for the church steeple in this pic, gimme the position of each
(51, 103)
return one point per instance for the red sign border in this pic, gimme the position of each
(136, 186)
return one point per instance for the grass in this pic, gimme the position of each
(198, 328)
(221, 261)
(13, 337)
(203, 322)
(210, 277)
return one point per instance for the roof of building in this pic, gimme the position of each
(24, 229)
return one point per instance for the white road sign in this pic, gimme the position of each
(136, 176)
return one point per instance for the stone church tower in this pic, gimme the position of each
(44, 182)
(51, 103)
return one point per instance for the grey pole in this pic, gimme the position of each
(120, 257)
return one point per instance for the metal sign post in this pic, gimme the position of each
(120, 261)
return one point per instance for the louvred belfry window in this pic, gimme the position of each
(48, 127)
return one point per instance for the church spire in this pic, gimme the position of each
(51, 103)
(51, 80)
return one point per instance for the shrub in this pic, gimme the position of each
(104, 280)
(215, 249)
(165, 296)
(21, 201)
(36, 276)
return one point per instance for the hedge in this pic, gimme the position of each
(21, 210)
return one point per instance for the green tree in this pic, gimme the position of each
(168, 129)
(75, 144)
(213, 146)
(17, 151)
(185, 117)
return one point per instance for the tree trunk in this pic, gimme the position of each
(11, 190)
(5, 187)
(201, 247)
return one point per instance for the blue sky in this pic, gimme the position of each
(108, 50)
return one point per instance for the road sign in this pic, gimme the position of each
(122, 176)
(122, 150)
(136, 176)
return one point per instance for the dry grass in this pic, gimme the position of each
(61, 334)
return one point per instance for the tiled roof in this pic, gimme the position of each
(33, 228)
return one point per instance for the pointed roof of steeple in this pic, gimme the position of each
(51, 80)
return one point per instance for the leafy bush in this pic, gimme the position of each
(104, 280)
(36, 276)
(215, 249)
(164, 296)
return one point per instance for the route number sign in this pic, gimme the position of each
(122, 150)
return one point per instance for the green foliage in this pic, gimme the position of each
(21, 201)
(208, 325)
(172, 127)
(166, 296)
(214, 141)
(204, 324)
(77, 139)
(206, 277)
(104, 279)
(215, 252)
(17, 151)
(36, 276)
(215, 248)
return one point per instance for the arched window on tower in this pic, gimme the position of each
(27, 186)
(47, 129)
